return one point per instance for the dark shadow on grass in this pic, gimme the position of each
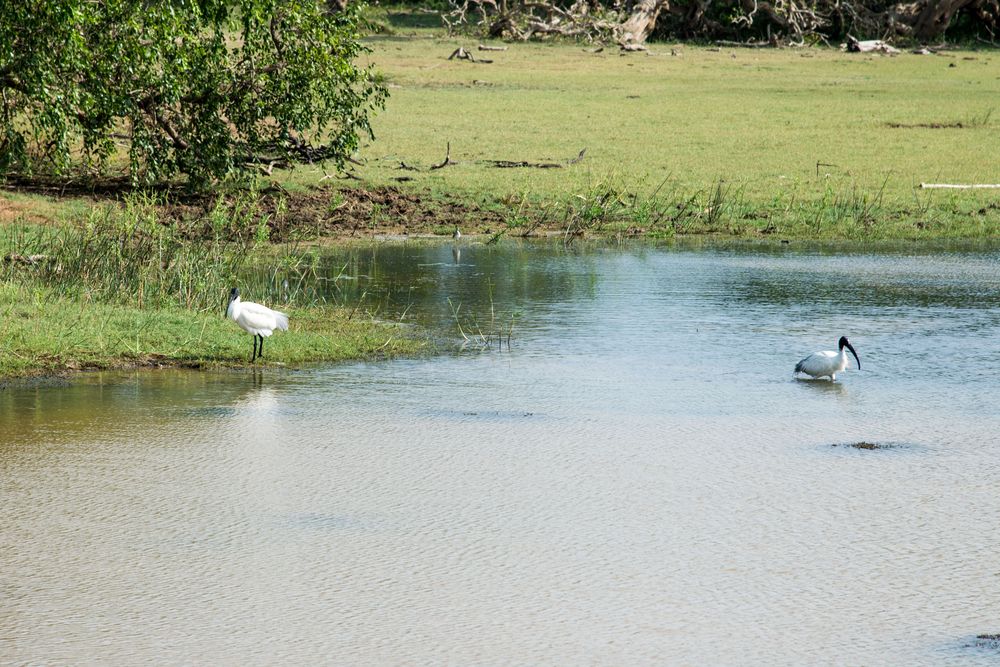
(413, 20)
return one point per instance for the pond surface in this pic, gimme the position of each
(637, 479)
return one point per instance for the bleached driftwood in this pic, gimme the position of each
(960, 186)
(870, 46)
(462, 54)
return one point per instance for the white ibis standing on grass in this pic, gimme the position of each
(828, 363)
(257, 320)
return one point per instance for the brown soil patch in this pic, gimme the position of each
(347, 213)
(324, 212)
(12, 210)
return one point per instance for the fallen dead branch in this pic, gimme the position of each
(461, 54)
(751, 23)
(960, 186)
(447, 159)
(954, 125)
(483, 47)
(26, 260)
(516, 164)
(870, 46)
(824, 164)
(513, 164)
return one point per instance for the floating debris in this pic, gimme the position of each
(864, 444)
(991, 641)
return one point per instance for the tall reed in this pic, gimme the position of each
(128, 255)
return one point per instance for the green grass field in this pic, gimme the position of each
(805, 142)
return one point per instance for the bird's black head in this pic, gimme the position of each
(843, 342)
(233, 295)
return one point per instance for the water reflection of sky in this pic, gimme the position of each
(636, 472)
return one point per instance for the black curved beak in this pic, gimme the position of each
(851, 348)
(232, 297)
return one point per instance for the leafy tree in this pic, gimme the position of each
(205, 88)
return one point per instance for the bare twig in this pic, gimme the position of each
(513, 164)
(447, 159)
(461, 54)
(960, 186)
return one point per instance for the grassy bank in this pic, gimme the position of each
(808, 143)
(124, 290)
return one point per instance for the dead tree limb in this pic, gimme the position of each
(960, 186)
(641, 22)
(514, 164)
(447, 159)
(756, 22)
(462, 54)
(870, 46)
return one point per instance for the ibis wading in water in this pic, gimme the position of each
(828, 362)
(257, 320)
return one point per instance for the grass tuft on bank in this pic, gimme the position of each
(124, 290)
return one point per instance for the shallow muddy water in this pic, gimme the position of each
(638, 479)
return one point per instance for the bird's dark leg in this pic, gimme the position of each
(261, 353)
(254, 357)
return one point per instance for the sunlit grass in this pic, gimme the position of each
(41, 332)
(122, 289)
(812, 142)
(798, 143)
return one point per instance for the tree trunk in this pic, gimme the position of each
(640, 24)
(935, 17)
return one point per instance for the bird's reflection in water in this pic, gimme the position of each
(456, 254)
(256, 397)
(823, 385)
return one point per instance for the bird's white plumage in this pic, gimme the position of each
(821, 364)
(256, 319)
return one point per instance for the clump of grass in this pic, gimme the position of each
(487, 333)
(608, 206)
(127, 255)
(44, 332)
(855, 211)
(124, 289)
